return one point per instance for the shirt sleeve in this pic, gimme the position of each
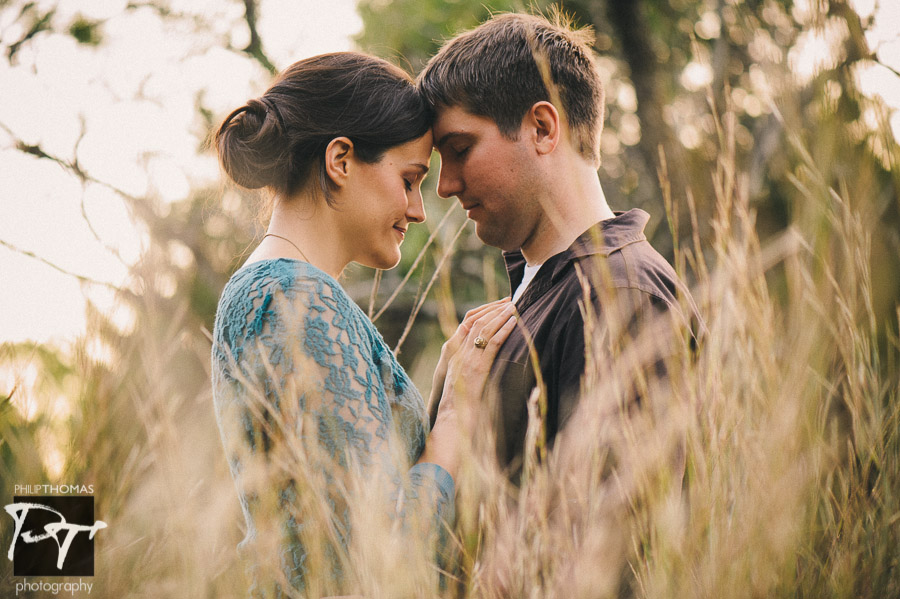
(317, 427)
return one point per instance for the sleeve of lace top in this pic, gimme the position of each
(322, 421)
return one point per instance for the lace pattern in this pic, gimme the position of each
(306, 392)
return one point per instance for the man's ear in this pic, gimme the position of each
(543, 125)
(338, 156)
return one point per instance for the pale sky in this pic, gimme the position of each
(136, 98)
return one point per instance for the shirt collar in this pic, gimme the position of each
(602, 238)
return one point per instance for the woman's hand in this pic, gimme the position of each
(471, 363)
(467, 373)
(449, 349)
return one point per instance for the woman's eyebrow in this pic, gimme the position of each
(421, 166)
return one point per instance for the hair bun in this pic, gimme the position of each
(279, 140)
(252, 145)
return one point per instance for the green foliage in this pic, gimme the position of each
(86, 32)
(425, 25)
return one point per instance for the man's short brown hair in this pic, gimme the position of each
(504, 66)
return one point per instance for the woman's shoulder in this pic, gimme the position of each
(292, 278)
(278, 272)
(277, 288)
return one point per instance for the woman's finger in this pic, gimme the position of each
(485, 338)
(476, 313)
(470, 367)
(500, 336)
(469, 320)
(474, 316)
(491, 323)
(489, 315)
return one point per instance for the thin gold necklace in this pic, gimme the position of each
(290, 242)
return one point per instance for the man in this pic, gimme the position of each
(519, 107)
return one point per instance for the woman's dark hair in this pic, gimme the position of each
(276, 141)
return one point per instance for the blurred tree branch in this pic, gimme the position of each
(255, 48)
(856, 45)
(631, 27)
(40, 23)
(81, 278)
(135, 204)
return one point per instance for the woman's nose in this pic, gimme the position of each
(415, 210)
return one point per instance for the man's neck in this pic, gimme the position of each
(575, 204)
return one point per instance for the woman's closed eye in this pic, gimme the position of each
(412, 180)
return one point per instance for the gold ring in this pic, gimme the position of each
(480, 342)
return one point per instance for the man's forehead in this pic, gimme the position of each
(455, 121)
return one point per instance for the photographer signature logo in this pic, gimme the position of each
(62, 520)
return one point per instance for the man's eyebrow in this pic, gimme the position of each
(448, 136)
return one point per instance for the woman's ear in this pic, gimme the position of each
(543, 124)
(337, 160)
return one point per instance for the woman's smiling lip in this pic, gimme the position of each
(400, 230)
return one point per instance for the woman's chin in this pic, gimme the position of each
(383, 262)
(391, 264)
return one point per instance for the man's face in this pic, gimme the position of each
(491, 175)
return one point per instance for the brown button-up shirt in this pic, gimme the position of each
(612, 264)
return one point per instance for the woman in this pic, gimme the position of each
(309, 399)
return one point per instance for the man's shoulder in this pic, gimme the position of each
(640, 267)
(616, 255)
(636, 278)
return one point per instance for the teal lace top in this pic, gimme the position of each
(307, 393)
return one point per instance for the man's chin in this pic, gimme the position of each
(493, 237)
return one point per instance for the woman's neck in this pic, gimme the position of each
(301, 229)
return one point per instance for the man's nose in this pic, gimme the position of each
(449, 181)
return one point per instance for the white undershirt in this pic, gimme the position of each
(530, 271)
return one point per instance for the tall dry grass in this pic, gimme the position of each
(766, 464)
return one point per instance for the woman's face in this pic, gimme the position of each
(384, 199)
